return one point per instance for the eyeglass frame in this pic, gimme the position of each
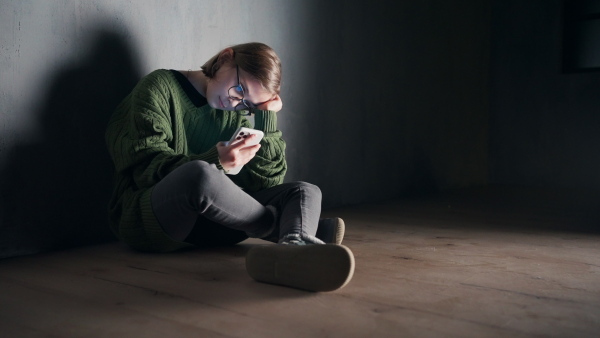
(243, 102)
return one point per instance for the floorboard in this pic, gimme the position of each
(468, 264)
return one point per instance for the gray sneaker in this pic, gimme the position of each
(331, 230)
(312, 267)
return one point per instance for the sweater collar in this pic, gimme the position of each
(197, 99)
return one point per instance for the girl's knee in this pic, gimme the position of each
(201, 168)
(309, 188)
(198, 172)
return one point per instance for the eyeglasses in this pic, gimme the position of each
(236, 93)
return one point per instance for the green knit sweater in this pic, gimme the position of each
(161, 125)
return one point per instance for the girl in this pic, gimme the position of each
(172, 188)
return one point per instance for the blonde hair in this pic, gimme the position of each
(256, 59)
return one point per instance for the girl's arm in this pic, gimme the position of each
(268, 167)
(147, 144)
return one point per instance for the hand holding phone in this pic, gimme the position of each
(241, 135)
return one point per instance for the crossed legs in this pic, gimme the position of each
(199, 204)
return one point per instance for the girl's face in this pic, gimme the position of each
(217, 89)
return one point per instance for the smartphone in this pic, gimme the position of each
(238, 136)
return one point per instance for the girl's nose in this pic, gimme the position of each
(231, 101)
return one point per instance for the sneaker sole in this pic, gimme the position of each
(314, 267)
(339, 231)
(332, 233)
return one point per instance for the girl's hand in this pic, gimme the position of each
(238, 154)
(275, 104)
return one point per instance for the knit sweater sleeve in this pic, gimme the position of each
(155, 142)
(268, 167)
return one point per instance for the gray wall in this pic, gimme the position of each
(544, 123)
(380, 100)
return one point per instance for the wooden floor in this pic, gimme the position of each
(469, 264)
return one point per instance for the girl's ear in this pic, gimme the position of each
(223, 58)
(226, 56)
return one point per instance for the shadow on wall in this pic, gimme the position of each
(55, 189)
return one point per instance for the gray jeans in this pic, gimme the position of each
(197, 203)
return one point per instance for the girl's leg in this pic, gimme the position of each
(308, 267)
(299, 207)
(197, 192)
